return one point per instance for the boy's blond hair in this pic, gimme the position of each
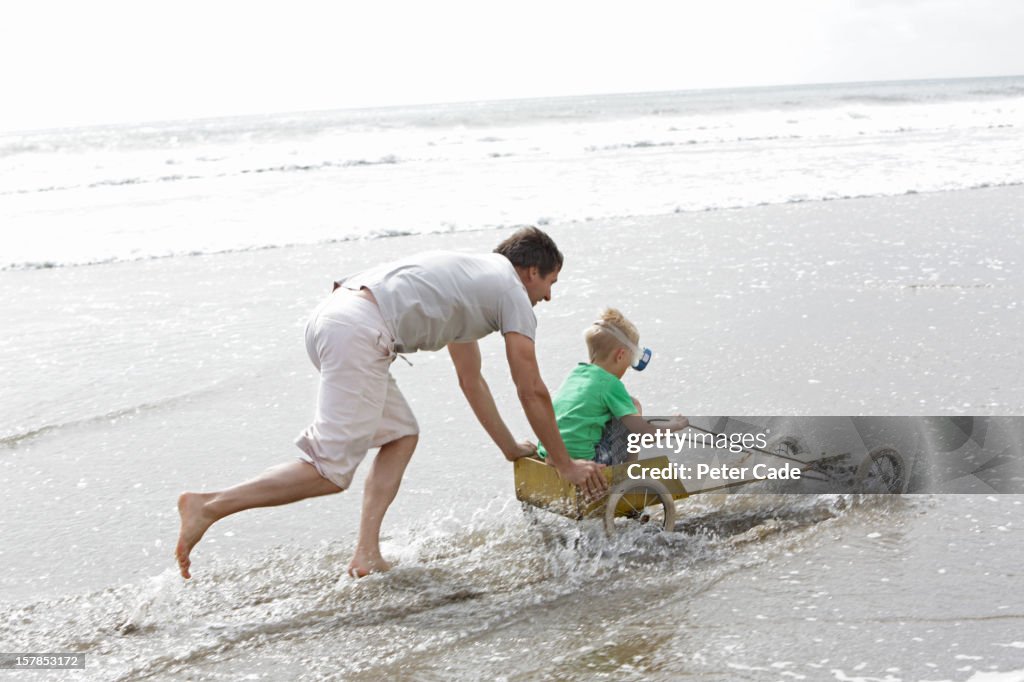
(600, 343)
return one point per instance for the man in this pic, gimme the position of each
(424, 302)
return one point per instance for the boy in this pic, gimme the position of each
(594, 411)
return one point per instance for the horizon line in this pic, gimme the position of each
(381, 107)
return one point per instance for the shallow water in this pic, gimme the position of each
(129, 382)
(749, 588)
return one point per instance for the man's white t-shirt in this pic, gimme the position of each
(432, 299)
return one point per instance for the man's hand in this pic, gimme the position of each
(533, 394)
(522, 449)
(587, 475)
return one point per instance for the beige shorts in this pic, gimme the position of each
(358, 405)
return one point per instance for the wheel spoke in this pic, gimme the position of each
(639, 498)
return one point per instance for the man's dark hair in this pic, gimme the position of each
(529, 247)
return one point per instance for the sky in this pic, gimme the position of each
(112, 61)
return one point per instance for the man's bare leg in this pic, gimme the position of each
(381, 487)
(280, 484)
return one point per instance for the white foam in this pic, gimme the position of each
(125, 193)
(1009, 676)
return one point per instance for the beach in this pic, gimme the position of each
(137, 380)
(823, 250)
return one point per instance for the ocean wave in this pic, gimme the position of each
(138, 181)
(870, 125)
(113, 182)
(998, 92)
(16, 439)
(375, 234)
(882, 99)
(647, 144)
(640, 144)
(846, 197)
(14, 148)
(389, 159)
(448, 227)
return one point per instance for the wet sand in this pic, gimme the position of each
(129, 382)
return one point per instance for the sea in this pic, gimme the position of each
(101, 194)
(834, 249)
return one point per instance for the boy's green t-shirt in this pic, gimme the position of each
(587, 400)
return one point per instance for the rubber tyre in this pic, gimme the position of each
(882, 471)
(656, 494)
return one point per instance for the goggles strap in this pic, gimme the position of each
(621, 336)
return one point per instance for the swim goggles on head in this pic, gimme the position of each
(641, 357)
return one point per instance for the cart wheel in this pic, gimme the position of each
(786, 446)
(642, 496)
(882, 471)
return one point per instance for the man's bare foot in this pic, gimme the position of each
(362, 566)
(194, 522)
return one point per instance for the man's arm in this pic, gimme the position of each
(536, 402)
(466, 358)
